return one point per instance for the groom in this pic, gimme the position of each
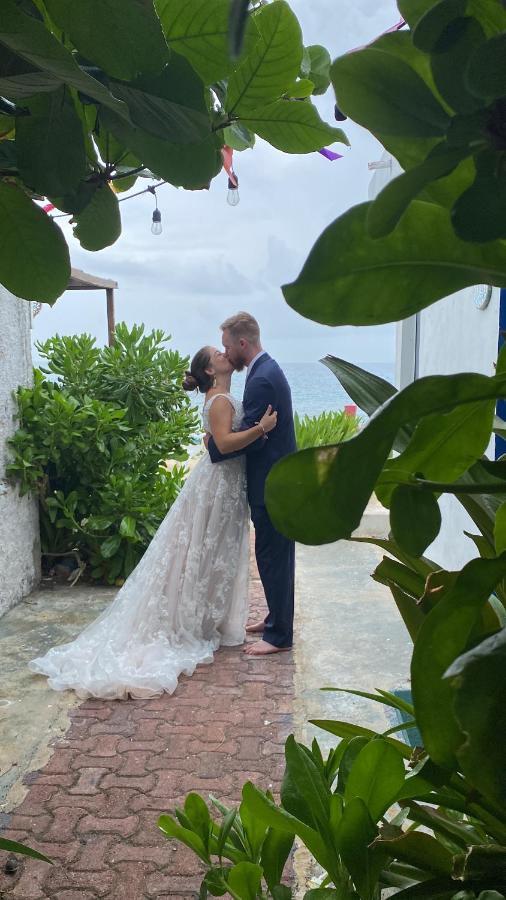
(275, 554)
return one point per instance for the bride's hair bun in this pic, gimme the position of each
(198, 378)
(190, 382)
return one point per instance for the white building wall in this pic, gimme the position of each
(448, 337)
(19, 526)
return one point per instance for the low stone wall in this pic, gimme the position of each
(19, 526)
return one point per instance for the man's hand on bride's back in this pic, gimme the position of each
(269, 419)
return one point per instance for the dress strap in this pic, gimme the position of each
(208, 403)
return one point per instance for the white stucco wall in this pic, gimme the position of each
(448, 337)
(19, 527)
(455, 336)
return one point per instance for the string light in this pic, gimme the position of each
(148, 190)
(156, 221)
(233, 191)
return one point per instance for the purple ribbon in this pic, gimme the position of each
(329, 154)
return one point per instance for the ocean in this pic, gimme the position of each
(314, 388)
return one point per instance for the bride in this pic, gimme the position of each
(189, 593)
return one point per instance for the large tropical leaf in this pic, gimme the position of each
(385, 95)
(318, 496)
(292, 126)
(351, 279)
(44, 273)
(50, 145)
(123, 38)
(272, 65)
(200, 31)
(443, 637)
(99, 224)
(190, 166)
(30, 39)
(479, 685)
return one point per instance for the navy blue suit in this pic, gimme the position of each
(275, 554)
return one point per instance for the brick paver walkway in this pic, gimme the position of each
(93, 808)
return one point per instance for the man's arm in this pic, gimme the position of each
(256, 401)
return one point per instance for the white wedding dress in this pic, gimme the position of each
(187, 596)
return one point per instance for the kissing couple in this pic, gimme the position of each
(189, 593)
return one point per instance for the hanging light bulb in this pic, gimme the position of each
(156, 225)
(156, 220)
(233, 191)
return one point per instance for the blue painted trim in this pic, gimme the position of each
(500, 443)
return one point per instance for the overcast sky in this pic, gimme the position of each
(212, 260)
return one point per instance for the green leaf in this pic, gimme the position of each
(351, 279)
(348, 730)
(376, 777)
(433, 23)
(442, 448)
(254, 828)
(308, 782)
(197, 813)
(318, 67)
(50, 145)
(273, 63)
(17, 87)
(355, 746)
(215, 882)
(479, 214)
(226, 825)
(124, 39)
(199, 31)
(415, 518)
(442, 638)
(500, 529)
(419, 850)
(334, 483)
(486, 72)
(187, 837)
(16, 847)
(449, 60)
(356, 832)
(479, 686)
(300, 89)
(292, 126)
(29, 38)
(275, 852)
(191, 166)
(238, 137)
(278, 818)
(45, 273)
(170, 105)
(244, 879)
(99, 224)
(390, 204)
(385, 95)
(110, 546)
(367, 390)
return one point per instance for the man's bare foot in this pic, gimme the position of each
(262, 648)
(256, 628)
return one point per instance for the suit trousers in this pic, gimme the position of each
(275, 556)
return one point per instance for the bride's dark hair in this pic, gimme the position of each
(197, 378)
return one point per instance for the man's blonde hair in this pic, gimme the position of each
(242, 325)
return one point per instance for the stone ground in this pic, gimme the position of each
(93, 808)
(91, 799)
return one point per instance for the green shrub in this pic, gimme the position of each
(327, 428)
(93, 440)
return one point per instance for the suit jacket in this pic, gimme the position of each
(266, 383)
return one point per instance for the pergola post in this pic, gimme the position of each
(111, 323)
(81, 281)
